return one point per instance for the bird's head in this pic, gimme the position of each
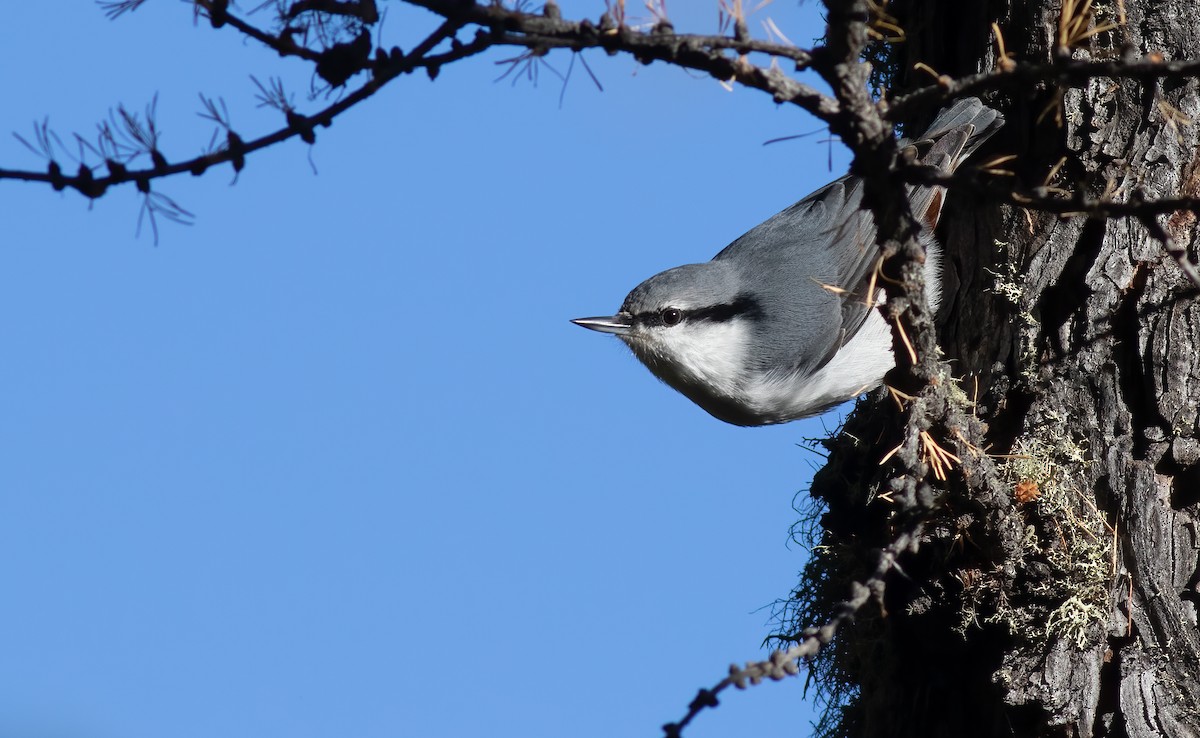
(692, 326)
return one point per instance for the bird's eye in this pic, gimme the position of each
(671, 316)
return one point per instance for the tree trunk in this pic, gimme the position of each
(1071, 608)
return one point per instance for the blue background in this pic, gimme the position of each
(332, 461)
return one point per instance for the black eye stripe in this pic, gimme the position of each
(721, 313)
(747, 306)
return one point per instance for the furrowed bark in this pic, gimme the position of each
(1075, 613)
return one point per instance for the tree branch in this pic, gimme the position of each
(783, 663)
(498, 26)
(1062, 71)
(218, 15)
(540, 33)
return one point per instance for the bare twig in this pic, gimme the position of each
(1061, 71)
(299, 126)
(1044, 198)
(784, 663)
(217, 12)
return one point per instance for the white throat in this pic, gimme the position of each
(709, 358)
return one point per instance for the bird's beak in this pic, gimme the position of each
(620, 324)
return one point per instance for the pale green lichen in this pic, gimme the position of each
(1007, 285)
(1067, 533)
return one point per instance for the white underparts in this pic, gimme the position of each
(858, 366)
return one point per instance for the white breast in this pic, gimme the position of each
(858, 366)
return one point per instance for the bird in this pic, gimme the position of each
(779, 325)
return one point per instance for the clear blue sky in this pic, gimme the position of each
(332, 462)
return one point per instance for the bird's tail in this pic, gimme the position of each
(968, 120)
(955, 133)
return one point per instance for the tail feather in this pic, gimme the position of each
(969, 115)
(972, 111)
(956, 133)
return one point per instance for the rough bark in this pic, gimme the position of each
(1073, 614)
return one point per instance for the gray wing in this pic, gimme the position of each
(809, 267)
(827, 240)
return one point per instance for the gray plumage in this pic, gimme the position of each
(767, 330)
